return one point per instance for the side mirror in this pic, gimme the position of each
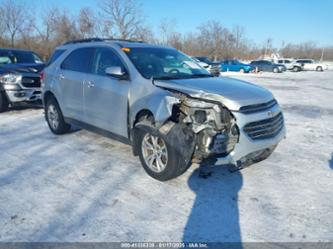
(116, 72)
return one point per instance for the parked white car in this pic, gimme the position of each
(312, 65)
(290, 64)
(201, 63)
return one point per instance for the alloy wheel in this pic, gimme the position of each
(53, 117)
(154, 152)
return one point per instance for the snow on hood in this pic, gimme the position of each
(230, 92)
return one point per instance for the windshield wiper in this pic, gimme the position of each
(201, 75)
(165, 78)
(183, 77)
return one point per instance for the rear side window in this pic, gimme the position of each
(104, 58)
(79, 60)
(55, 56)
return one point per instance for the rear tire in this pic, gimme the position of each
(54, 118)
(162, 165)
(296, 69)
(4, 103)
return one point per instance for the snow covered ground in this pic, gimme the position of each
(84, 187)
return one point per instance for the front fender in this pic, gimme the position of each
(160, 105)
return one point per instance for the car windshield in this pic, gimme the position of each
(18, 57)
(164, 63)
(25, 57)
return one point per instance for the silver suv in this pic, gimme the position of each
(172, 111)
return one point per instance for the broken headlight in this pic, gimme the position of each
(10, 78)
(200, 116)
(215, 126)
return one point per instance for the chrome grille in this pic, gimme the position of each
(33, 82)
(266, 128)
(258, 107)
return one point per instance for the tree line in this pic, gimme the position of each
(20, 27)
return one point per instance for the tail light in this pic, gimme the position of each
(42, 76)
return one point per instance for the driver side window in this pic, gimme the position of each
(104, 58)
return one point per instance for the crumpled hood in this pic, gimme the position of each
(230, 92)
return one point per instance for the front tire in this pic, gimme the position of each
(242, 70)
(159, 159)
(54, 118)
(4, 104)
(319, 69)
(275, 70)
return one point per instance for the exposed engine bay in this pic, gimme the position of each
(207, 129)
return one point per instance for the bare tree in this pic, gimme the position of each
(16, 18)
(146, 34)
(167, 31)
(124, 17)
(87, 23)
(212, 38)
(65, 28)
(268, 47)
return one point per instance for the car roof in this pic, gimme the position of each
(121, 43)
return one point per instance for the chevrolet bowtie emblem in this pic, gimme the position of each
(270, 114)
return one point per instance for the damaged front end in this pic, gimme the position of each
(201, 129)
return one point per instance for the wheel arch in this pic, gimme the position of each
(47, 95)
(139, 116)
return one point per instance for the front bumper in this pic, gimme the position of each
(247, 148)
(18, 94)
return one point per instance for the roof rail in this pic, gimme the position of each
(96, 39)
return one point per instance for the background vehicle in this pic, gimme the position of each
(161, 102)
(201, 63)
(290, 64)
(214, 67)
(268, 66)
(19, 77)
(235, 66)
(311, 65)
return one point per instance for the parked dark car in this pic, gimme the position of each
(268, 66)
(214, 67)
(19, 77)
(235, 66)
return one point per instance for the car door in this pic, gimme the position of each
(105, 97)
(261, 66)
(72, 74)
(288, 64)
(232, 66)
(268, 66)
(310, 65)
